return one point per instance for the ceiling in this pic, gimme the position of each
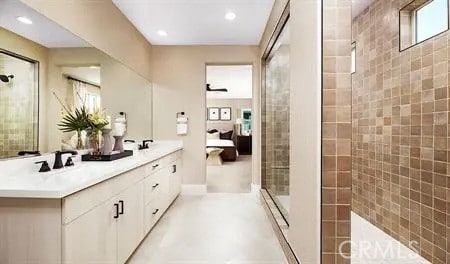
(42, 31)
(88, 74)
(358, 6)
(237, 79)
(198, 22)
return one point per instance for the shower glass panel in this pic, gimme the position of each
(275, 123)
(18, 105)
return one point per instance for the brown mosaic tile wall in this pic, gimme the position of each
(400, 132)
(337, 132)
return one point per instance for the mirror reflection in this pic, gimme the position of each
(47, 72)
(18, 104)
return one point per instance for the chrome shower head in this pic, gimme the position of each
(6, 78)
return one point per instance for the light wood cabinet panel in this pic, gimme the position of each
(30, 230)
(130, 225)
(79, 203)
(92, 238)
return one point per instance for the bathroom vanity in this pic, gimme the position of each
(95, 212)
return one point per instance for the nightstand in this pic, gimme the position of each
(244, 145)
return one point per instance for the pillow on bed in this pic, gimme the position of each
(211, 131)
(215, 135)
(226, 135)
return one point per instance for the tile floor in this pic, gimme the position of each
(230, 177)
(212, 229)
(371, 245)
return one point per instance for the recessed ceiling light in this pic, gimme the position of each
(162, 33)
(230, 16)
(25, 20)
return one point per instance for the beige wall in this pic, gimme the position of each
(305, 124)
(116, 83)
(101, 24)
(14, 43)
(125, 91)
(179, 85)
(236, 106)
(305, 129)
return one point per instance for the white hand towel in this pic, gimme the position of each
(182, 129)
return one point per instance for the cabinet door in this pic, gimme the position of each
(130, 225)
(175, 179)
(92, 238)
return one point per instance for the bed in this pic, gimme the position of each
(229, 149)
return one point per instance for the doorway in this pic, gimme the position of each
(229, 125)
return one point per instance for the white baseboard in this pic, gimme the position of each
(255, 188)
(193, 189)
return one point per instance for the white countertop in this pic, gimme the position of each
(29, 183)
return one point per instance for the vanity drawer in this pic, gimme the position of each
(152, 212)
(81, 202)
(163, 162)
(156, 185)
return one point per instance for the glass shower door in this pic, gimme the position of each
(275, 170)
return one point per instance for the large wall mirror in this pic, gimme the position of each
(46, 71)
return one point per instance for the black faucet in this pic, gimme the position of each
(144, 144)
(44, 167)
(58, 160)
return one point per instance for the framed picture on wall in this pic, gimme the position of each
(213, 113)
(225, 113)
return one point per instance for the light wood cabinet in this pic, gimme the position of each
(104, 223)
(92, 238)
(130, 224)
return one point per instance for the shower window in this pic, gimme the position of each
(275, 150)
(18, 104)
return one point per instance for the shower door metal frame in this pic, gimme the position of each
(270, 45)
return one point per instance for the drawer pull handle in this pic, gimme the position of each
(116, 205)
(155, 166)
(155, 212)
(121, 207)
(156, 185)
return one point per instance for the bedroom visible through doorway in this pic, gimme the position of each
(229, 125)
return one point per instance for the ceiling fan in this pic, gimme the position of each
(209, 89)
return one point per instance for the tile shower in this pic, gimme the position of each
(400, 145)
(275, 123)
(18, 106)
